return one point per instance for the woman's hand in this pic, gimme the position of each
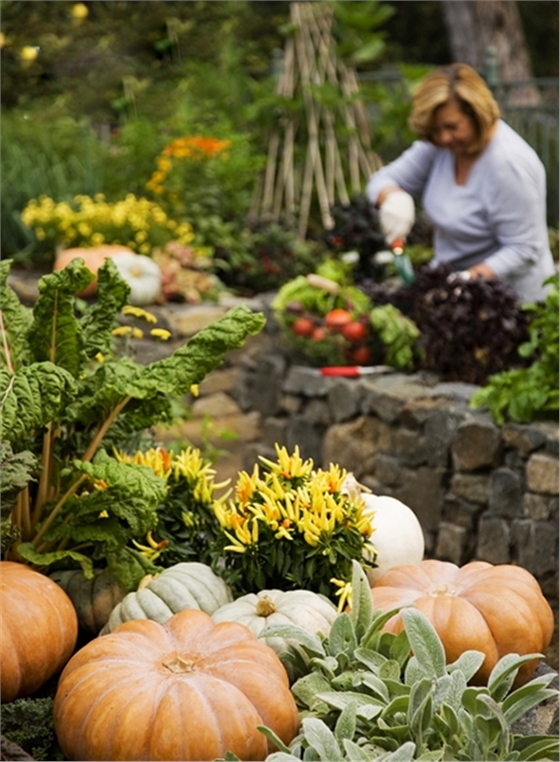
(396, 214)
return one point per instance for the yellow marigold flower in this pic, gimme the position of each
(160, 333)
(137, 333)
(195, 390)
(100, 357)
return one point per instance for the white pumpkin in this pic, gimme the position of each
(142, 274)
(304, 608)
(397, 537)
(188, 585)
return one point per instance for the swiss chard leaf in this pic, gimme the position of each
(55, 334)
(16, 321)
(32, 397)
(112, 294)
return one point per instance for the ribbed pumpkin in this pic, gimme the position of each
(93, 598)
(304, 608)
(188, 585)
(493, 609)
(187, 690)
(38, 632)
(93, 258)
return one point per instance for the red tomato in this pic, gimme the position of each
(319, 333)
(303, 326)
(360, 355)
(354, 332)
(335, 319)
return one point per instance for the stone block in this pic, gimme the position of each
(539, 507)
(261, 388)
(409, 446)
(307, 382)
(219, 381)
(291, 404)
(451, 543)
(493, 540)
(386, 396)
(317, 412)
(422, 490)
(193, 318)
(523, 437)
(542, 474)
(461, 512)
(352, 445)
(416, 412)
(273, 431)
(535, 545)
(218, 405)
(309, 438)
(472, 487)
(477, 444)
(440, 430)
(506, 493)
(387, 469)
(344, 398)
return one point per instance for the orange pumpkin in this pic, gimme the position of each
(493, 609)
(189, 689)
(38, 631)
(93, 258)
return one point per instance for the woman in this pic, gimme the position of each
(481, 184)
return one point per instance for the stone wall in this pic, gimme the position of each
(479, 490)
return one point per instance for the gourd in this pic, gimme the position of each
(94, 598)
(188, 585)
(38, 632)
(493, 609)
(142, 274)
(257, 611)
(93, 258)
(398, 537)
(187, 690)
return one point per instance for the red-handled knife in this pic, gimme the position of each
(352, 371)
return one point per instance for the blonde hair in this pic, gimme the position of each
(457, 83)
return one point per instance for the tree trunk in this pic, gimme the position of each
(486, 31)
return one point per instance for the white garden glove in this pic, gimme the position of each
(396, 216)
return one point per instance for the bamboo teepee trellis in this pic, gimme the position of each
(334, 168)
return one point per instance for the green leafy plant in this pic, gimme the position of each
(68, 400)
(374, 695)
(523, 394)
(28, 723)
(186, 523)
(290, 527)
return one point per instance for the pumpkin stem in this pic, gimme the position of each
(177, 664)
(265, 606)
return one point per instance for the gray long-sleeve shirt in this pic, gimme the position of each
(497, 216)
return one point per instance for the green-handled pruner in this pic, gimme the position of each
(403, 265)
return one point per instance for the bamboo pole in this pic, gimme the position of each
(313, 144)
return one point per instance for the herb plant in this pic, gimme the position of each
(67, 402)
(523, 394)
(469, 330)
(373, 695)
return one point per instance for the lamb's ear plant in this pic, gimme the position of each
(67, 401)
(373, 695)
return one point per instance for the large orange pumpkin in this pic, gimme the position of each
(38, 631)
(493, 609)
(93, 258)
(189, 689)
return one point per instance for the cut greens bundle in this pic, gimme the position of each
(67, 401)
